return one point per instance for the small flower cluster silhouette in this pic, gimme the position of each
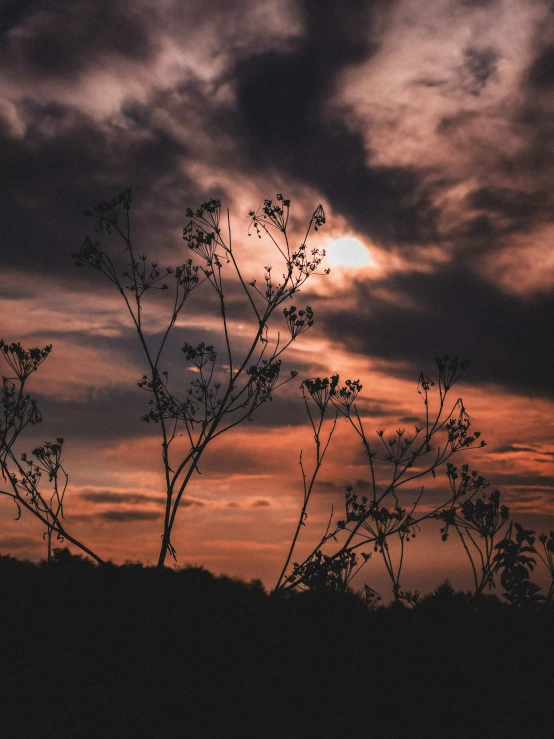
(395, 462)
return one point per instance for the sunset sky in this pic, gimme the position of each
(425, 129)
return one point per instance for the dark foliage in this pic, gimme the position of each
(108, 651)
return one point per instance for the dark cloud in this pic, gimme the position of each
(51, 176)
(330, 487)
(285, 409)
(475, 3)
(128, 516)
(507, 209)
(261, 504)
(430, 82)
(450, 124)
(19, 543)
(412, 420)
(537, 483)
(533, 115)
(521, 448)
(105, 416)
(541, 72)
(362, 487)
(508, 202)
(113, 412)
(283, 98)
(13, 12)
(108, 496)
(507, 448)
(189, 503)
(461, 315)
(480, 65)
(61, 39)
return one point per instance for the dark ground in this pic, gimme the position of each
(132, 652)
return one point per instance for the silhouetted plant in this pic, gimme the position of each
(547, 557)
(371, 520)
(515, 565)
(23, 474)
(220, 397)
(320, 391)
(477, 521)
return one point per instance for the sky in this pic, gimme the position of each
(425, 131)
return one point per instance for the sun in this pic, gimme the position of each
(348, 252)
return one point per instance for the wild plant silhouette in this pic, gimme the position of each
(215, 402)
(228, 388)
(370, 521)
(23, 475)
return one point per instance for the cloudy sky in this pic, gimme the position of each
(424, 129)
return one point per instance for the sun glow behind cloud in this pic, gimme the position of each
(348, 252)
